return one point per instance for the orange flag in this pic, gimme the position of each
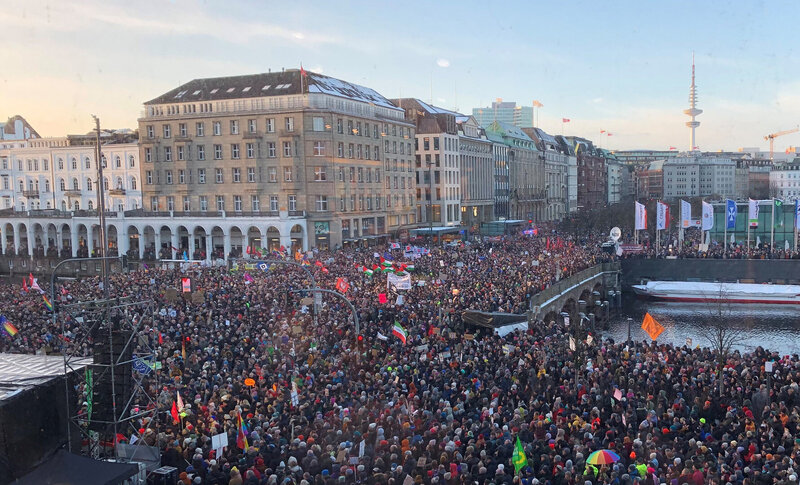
(651, 326)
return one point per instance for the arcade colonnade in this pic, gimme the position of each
(153, 237)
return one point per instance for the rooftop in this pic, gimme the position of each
(22, 371)
(269, 84)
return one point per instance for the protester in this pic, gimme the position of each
(445, 407)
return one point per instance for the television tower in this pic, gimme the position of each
(692, 111)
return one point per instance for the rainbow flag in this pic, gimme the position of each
(241, 438)
(8, 327)
(47, 303)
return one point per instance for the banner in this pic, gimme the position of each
(641, 217)
(686, 214)
(399, 282)
(708, 216)
(777, 212)
(730, 214)
(186, 285)
(662, 216)
(796, 214)
(752, 213)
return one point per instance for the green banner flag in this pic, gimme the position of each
(777, 208)
(519, 459)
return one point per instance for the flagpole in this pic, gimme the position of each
(725, 238)
(772, 229)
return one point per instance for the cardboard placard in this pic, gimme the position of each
(198, 297)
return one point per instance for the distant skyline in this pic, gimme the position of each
(623, 67)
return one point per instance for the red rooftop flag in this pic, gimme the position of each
(565, 120)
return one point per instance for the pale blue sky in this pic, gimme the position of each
(618, 66)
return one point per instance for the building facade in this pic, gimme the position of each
(477, 173)
(505, 112)
(51, 174)
(526, 173)
(699, 177)
(557, 161)
(784, 181)
(502, 209)
(280, 145)
(592, 176)
(614, 175)
(17, 129)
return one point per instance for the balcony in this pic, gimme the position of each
(31, 194)
(119, 191)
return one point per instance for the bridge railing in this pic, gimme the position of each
(565, 284)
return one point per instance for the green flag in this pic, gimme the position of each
(519, 459)
(778, 210)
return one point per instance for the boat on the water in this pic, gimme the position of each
(715, 292)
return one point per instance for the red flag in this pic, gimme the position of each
(30, 278)
(303, 71)
(382, 298)
(565, 120)
(602, 131)
(325, 270)
(24, 284)
(672, 148)
(610, 134)
(174, 413)
(548, 243)
(341, 285)
(318, 263)
(160, 338)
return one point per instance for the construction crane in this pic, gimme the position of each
(771, 137)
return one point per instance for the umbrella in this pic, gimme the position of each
(602, 457)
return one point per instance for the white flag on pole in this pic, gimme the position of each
(752, 213)
(641, 217)
(708, 216)
(662, 214)
(686, 214)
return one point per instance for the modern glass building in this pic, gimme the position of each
(505, 112)
(784, 224)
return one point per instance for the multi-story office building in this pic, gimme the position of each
(51, 174)
(614, 175)
(279, 147)
(699, 177)
(556, 167)
(505, 112)
(527, 198)
(437, 162)
(784, 180)
(649, 180)
(502, 209)
(592, 176)
(477, 172)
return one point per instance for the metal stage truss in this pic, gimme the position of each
(116, 388)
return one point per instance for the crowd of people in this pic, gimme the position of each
(438, 402)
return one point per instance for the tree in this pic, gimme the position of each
(721, 336)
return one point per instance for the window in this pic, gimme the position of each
(201, 152)
(217, 152)
(255, 203)
(237, 203)
(170, 203)
(366, 152)
(187, 206)
(200, 128)
(289, 123)
(271, 151)
(61, 184)
(181, 176)
(151, 132)
(318, 123)
(358, 152)
(167, 131)
(133, 183)
(287, 149)
(361, 202)
(287, 174)
(235, 151)
(352, 175)
(237, 174)
(319, 174)
(341, 174)
(270, 125)
(251, 174)
(321, 203)
(319, 149)
(149, 177)
(352, 202)
(272, 173)
(169, 177)
(273, 203)
(369, 203)
(435, 143)
(60, 164)
(426, 143)
(89, 184)
(182, 129)
(203, 203)
(217, 128)
(181, 155)
(251, 126)
(292, 202)
(251, 150)
(350, 127)
(360, 175)
(369, 176)
(220, 202)
(168, 154)
(148, 156)
(234, 127)
(201, 175)
(47, 186)
(340, 150)
(350, 151)
(375, 130)
(154, 203)
(87, 162)
(218, 177)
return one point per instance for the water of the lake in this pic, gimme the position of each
(773, 327)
